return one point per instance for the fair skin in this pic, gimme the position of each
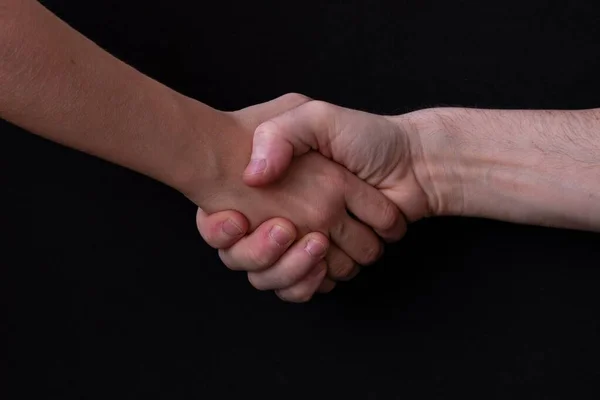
(534, 167)
(522, 166)
(59, 85)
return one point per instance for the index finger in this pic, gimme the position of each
(223, 229)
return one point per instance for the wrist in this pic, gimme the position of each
(202, 131)
(214, 151)
(524, 166)
(177, 135)
(470, 162)
(436, 159)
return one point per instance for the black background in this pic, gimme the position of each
(111, 293)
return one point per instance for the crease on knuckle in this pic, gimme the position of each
(287, 279)
(341, 269)
(390, 216)
(370, 253)
(339, 231)
(258, 260)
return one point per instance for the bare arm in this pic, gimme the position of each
(56, 83)
(524, 166)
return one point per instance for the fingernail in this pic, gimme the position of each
(256, 167)
(280, 235)
(231, 228)
(315, 248)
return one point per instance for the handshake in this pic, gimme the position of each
(323, 187)
(320, 187)
(332, 210)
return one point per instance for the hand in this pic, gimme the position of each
(314, 196)
(227, 231)
(385, 152)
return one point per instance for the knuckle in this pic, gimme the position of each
(285, 279)
(335, 179)
(266, 129)
(258, 259)
(256, 282)
(370, 253)
(341, 268)
(333, 186)
(295, 296)
(339, 231)
(318, 107)
(296, 97)
(318, 218)
(338, 176)
(273, 279)
(390, 216)
(326, 116)
(227, 261)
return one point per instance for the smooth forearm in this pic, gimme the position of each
(56, 83)
(525, 166)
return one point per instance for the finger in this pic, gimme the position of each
(293, 133)
(222, 229)
(357, 240)
(262, 248)
(326, 286)
(293, 265)
(374, 209)
(340, 267)
(304, 290)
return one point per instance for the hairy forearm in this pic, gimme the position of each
(524, 166)
(56, 83)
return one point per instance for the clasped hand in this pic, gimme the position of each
(315, 218)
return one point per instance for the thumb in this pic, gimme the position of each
(290, 134)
